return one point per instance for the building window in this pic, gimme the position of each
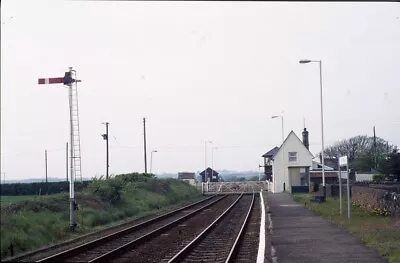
(292, 156)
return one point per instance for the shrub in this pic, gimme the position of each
(108, 190)
(378, 177)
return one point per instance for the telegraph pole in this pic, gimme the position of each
(66, 160)
(145, 152)
(387, 148)
(45, 161)
(375, 163)
(105, 137)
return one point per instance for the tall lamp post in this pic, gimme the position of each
(151, 159)
(212, 160)
(283, 154)
(306, 61)
(205, 158)
(105, 137)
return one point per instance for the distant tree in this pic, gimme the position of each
(361, 152)
(391, 165)
(241, 179)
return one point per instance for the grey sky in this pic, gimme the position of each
(197, 71)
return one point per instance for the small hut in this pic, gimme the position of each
(209, 175)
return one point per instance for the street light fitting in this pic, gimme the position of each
(273, 117)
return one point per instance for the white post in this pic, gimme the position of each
(322, 127)
(283, 158)
(340, 189)
(72, 220)
(348, 192)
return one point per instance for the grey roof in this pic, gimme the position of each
(271, 153)
(209, 171)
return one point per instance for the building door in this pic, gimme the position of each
(294, 177)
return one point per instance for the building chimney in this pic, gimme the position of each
(305, 139)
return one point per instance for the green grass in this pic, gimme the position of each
(9, 200)
(38, 221)
(6, 200)
(378, 232)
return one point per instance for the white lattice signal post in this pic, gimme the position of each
(69, 80)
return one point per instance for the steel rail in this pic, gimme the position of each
(132, 244)
(188, 248)
(102, 240)
(239, 237)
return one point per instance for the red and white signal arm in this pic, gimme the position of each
(51, 80)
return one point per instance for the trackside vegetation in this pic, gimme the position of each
(41, 221)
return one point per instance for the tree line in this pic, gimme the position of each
(367, 153)
(40, 188)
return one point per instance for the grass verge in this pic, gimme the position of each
(377, 232)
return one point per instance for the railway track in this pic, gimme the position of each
(221, 240)
(247, 248)
(163, 247)
(43, 252)
(220, 229)
(104, 248)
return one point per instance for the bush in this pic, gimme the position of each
(378, 177)
(108, 190)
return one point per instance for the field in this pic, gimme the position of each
(7, 200)
(378, 232)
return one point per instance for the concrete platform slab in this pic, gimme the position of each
(300, 236)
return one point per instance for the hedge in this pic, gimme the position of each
(39, 188)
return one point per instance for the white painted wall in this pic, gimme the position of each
(281, 162)
(363, 177)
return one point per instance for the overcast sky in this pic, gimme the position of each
(197, 71)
